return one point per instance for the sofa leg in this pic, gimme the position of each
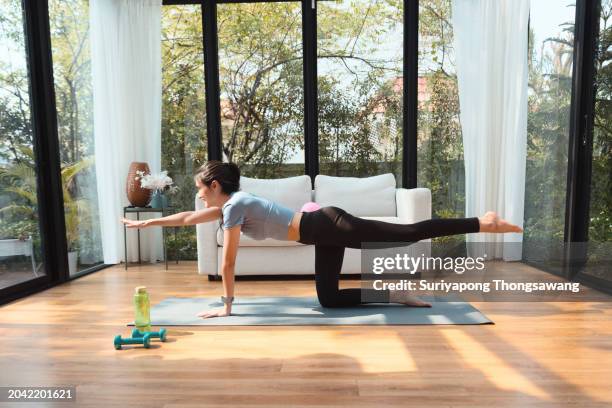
(214, 278)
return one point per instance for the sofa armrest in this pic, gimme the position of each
(206, 238)
(413, 205)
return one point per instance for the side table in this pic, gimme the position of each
(138, 210)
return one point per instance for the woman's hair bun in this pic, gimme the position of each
(234, 168)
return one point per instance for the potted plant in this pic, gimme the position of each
(75, 210)
(20, 179)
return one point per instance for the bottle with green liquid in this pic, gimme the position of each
(142, 319)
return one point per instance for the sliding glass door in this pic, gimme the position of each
(600, 217)
(440, 144)
(70, 47)
(20, 236)
(184, 136)
(551, 55)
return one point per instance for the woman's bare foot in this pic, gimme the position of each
(490, 222)
(405, 298)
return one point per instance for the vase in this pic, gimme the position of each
(158, 200)
(137, 195)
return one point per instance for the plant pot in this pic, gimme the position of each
(137, 195)
(72, 263)
(156, 200)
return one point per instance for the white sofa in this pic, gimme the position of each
(372, 197)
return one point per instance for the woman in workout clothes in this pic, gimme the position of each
(329, 229)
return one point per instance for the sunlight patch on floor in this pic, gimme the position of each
(492, 367)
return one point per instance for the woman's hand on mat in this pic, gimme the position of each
(134, 223)
(215, 313)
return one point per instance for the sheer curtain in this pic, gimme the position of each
(490, 38)
(126, 71)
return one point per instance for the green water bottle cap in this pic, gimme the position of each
(140, 289)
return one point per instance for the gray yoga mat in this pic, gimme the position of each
(306, 311)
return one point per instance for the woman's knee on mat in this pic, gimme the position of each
(329, 299)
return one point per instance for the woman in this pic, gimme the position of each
(330, 229)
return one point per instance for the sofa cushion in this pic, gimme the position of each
(368, 196)
(291, 192)
(246, 241)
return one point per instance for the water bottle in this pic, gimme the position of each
(142, 307)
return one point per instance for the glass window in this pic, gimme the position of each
(20, 241)
(600, 223)
(184, 137)
(69, 24)
(262, 92)
(551, 49)
(439, 140)
(360, 87)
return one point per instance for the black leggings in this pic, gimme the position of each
(331, 229)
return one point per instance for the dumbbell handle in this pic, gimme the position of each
(144, 340)
(161, 334)
(132, 340)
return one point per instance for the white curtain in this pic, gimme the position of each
(490, 39)
(126, 70)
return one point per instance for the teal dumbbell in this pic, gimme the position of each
(161, 334)
(144, 340)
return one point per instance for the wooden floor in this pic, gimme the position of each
(536, 355)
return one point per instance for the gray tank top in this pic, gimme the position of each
(260, 218)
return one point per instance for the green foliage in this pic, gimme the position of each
(549, 103)
(184, 141)
(77, 210)
(15, 126)
(182, 246)
(260, 69)
(20, 217)
(345, 132)
(441, 147)
(18, 229)
(440, 144)
(19, 211)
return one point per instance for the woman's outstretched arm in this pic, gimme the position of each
(177, 220)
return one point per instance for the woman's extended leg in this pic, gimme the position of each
(331, 229)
